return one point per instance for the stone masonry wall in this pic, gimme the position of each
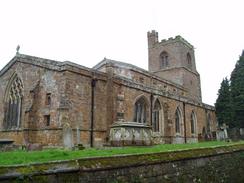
(70, 103)
(70, 108)
(213, 165)
(126, 96)
(38, 82)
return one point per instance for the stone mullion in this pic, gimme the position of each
(8, 114)
(153, 120)
(137, 113)
(14, 113)
(19, 112)
(157, 120)
(142, 114)
(11, 115)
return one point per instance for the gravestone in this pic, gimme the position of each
(67, 136)
(222, 133)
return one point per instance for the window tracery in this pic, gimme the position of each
(13, 103)
(140, 110)
(155, 116)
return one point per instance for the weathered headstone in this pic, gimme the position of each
(67, 136)
(222, 133)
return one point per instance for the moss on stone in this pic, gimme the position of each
(35, 171)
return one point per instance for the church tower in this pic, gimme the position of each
(174, 60)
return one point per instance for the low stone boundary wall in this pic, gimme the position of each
(219, 164)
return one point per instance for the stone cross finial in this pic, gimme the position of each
(17, 49)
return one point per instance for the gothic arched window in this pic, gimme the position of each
(13, 102)
(164, 60)
(193, 122)
(155, 116)
(189, 61)
(140, 110)
(178, 120)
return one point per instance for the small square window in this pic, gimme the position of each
(48, 99)
(47, 120)
(141, 80)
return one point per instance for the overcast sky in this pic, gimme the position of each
(85, 32)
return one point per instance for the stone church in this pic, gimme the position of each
(114, 103)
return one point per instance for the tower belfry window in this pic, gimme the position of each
(164, 60)
(189, 61)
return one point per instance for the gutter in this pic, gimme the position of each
(184, 113)
(93, 85)
(151, 108)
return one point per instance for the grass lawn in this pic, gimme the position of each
(23, 157)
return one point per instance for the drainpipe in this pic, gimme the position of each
(93, 84)
(151, 106)
(184, 113)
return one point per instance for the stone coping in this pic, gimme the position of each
(130, 124)
(111, 162)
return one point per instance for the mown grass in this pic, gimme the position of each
(23, 157)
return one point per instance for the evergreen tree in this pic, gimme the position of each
(237, 92)
(223, 104)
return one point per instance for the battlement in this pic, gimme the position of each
(175, 39)
(173, 59)
(153, 38)
(152, 33)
